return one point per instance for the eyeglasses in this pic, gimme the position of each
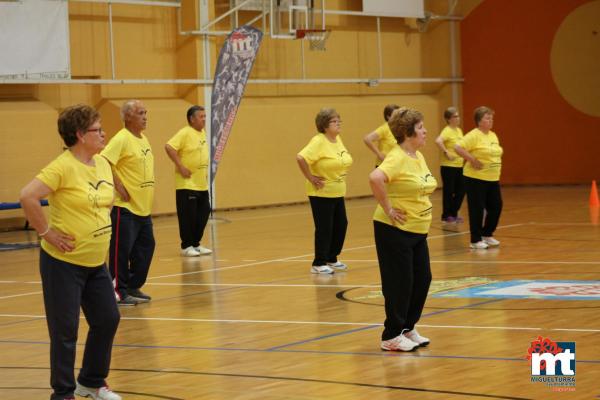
(335, 121)
(95, 130)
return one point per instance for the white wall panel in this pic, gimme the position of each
(395, 8)
(34, 39)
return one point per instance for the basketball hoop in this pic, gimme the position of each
(317, 38)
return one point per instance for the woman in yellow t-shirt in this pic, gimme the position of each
(381, 140)
(451, 167)
(481, 149)
(80, 190)
(402, 185)
(325, 161)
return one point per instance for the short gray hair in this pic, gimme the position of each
(127, 107)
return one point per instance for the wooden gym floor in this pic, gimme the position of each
(251, 322)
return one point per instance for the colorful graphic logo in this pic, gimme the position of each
(553, 363)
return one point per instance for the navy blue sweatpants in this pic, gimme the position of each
(131, 249)
(67, 287)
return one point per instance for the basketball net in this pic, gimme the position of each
(317, 38)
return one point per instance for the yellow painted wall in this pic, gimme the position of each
(259, 166)
(274, 121)
(28, 141)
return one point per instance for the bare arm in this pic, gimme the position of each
(377, 180)
(370, 140)
(468, 156)
(316, 181)
(174, 156)
(440, 143)
(30, 198)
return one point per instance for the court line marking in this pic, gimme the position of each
(229, 285)
(301, 379)
(480, 262)
(305, 255)
(330, 323)
(378, 353)
(19, 295)
(346, 332)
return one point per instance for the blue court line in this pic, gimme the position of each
(376, 326)
(317, 352)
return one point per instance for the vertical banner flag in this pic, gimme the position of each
(233, 68)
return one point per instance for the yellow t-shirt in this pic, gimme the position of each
(409, 185)
(192, 149)
(387, 141)
(329, 161)
(450, 137)
(133, 163)
(80, 204)
(486, 148)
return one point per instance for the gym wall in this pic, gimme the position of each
(535, 63)
(274, 121)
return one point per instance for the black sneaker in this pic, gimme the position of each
(128, 301)
(138, 294)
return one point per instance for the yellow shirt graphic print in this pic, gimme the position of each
(133, 163)
(80, 204)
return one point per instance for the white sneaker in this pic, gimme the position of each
(190, 252)
(418, 339)
(399, 343)
(103, 393)
(203, 250)
(321, 269)
(490, 241)
(340, 266)
(479, 245)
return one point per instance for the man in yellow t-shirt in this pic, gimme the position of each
(381, 140)
(188, 150)
(132, 242)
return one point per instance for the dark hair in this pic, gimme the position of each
(73, 119)
(193, 110)
(449, 113)
(388, 110)
(402, 123)
(480, 112)
(324, 117)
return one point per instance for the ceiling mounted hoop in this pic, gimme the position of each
(317, 38)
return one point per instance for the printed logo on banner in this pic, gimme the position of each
(553, 363)
(241, 45)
